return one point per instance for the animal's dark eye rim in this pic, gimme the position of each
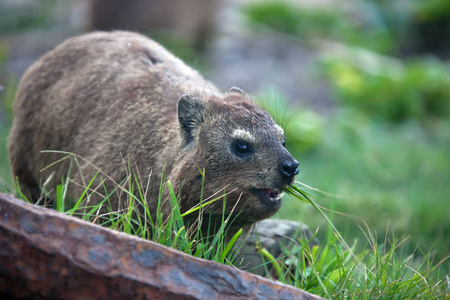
(242, 148)
(284, 142)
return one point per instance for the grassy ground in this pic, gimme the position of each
(388, 178)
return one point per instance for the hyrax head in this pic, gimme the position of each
(242, 151)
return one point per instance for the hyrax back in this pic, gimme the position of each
(129, 109)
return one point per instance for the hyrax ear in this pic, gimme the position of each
(190, 115)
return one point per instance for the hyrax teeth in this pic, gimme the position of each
(278, 195)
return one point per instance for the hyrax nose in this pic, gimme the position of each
(289, 168)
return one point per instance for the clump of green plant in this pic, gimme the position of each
(318, 21)
(333, 269)
(386, 88)
(338, 271)
(388, 27)
(382, 271)
(136, 219)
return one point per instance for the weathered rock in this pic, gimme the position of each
(48, 255)
(272, 234)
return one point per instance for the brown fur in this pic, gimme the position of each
(111, 99)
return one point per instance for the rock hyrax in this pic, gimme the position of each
(127, 107)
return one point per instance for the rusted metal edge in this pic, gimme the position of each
(45, 254)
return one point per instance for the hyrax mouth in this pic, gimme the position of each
(270, 198)
(274, 195)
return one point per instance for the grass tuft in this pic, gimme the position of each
(365, 270)
(375, 271)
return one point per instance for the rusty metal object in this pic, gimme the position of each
(45, 255)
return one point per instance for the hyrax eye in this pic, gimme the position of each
(242, 148)
(284, 143)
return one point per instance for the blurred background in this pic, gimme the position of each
(362, 88)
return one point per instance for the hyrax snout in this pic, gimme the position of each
(131, 112)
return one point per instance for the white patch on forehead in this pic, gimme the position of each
(243, 134)
(279, 129)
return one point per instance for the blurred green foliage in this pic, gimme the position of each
(7, 94)
(379, 85)
(15, 17)
(180, 48)
(303, 128)
(433, 10)
(387, 88)
(385, 26)
(321, 22)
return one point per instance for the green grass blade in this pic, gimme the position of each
(175, 206)
(230, 245)
(60, 198)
